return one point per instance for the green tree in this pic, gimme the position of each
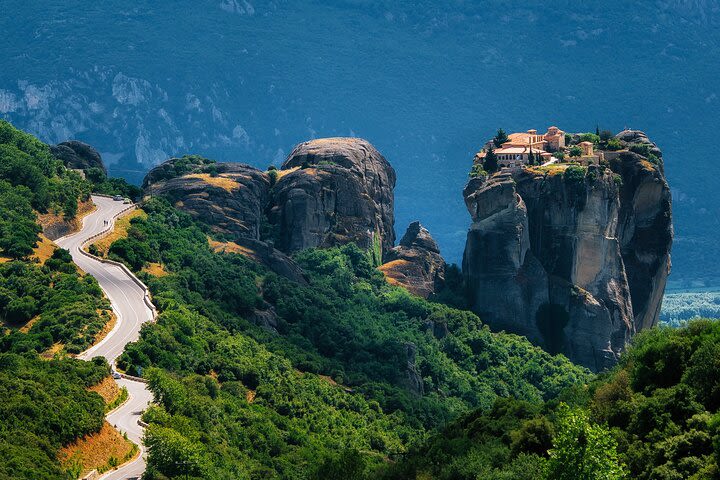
(347, 465)
(70, 207)
(575, 151)
(491, 163)
(531, 157)
(574, 174)
(614, 144)
(477, 170)
(583, 450)
(500, 138)
(605, 136)
(273, 175)
(95, 175)
(589, 137)
(173, 454)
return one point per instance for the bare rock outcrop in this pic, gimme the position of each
(577, 263)
(230, 197)
(329, 192)
(645, 233)
(334, 191)
(415, 263)
(78, 155)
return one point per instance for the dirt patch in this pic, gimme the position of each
(332, 382)
(122, 225)
(26, 328)
(98, 451)
(219, 181)
(107, 389)
(50, 353)
(393, 264)
(55, 225)
(391, 275)
(329, 380)
(647, 166)
(44, 249)
(155, 269)
(232, 247)
(250, 396)
(282, 173)
(554, 169)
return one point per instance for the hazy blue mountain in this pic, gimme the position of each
(426, 82)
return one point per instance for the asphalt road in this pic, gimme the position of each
(127, 299)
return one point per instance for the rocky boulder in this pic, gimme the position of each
(415, 263)
(576, 259)
(636, 137)
(328, 192)
(78, 155)
(334, 191)
(230, 197)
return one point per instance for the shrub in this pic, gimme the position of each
(477, 171)
(589, 137)
(614, 144)
(575, 151)
(640, 148)
(574, 174)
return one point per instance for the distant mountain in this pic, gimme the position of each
(425, 82)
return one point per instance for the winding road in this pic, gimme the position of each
(128, 301)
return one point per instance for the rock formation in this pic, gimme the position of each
(230, 197)
(328, 192)
(78, 155)
(333, 191)
(577, 264)
(416, 263)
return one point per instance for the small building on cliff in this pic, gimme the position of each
(516, 151)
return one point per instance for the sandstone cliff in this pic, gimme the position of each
(415, 263)
(574, 258)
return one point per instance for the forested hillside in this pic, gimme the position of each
(349, 371)
(655, 416)
(46, 307)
